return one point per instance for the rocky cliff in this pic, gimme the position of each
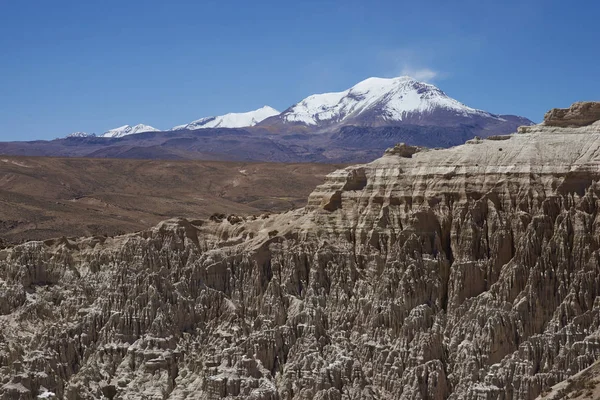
(579, 114)
(466, 273)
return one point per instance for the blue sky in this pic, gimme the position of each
(90, 66)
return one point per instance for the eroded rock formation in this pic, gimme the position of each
(466, 273)
(579, 114)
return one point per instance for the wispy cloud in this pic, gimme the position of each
(414, 62)
(429, 59)
(420, 74)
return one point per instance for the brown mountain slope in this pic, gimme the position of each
(43, 197)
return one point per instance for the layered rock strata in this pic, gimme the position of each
(466, 273)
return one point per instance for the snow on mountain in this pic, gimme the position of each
(374, 102)
(231, 120)
(128, 130)
(390, 99)
(81, 134)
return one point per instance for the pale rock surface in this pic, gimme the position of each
(579, 114)
(583, 385)
(466, 273)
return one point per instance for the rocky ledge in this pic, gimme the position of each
(466, 273)
(579, 114)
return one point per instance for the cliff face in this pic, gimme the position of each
(579, 114)
(466, 273)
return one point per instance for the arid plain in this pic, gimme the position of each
(45, 197)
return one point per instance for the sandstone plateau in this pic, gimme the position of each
(465, 273)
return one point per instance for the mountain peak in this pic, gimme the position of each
(231, 120)
(268, 109)
(128, 130)
(373, 102)
(376, 101)
(375, 80)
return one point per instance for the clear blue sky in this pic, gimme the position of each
(90, 66)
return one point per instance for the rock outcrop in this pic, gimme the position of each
(584, 385)
(466, 273)
(579, 114)
(404, 150)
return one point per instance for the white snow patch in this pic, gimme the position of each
(231, 120)
(81, 134)
(128, 130)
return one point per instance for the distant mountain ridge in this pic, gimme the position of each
(354, 125)
(81, 135)
(371, 102)
(231, 120)
(129, 130)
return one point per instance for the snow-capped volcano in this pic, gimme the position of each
(231, 120)
(365, 119)
(379, 102)
(128, 130)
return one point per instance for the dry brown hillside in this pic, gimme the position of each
(43, 197)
